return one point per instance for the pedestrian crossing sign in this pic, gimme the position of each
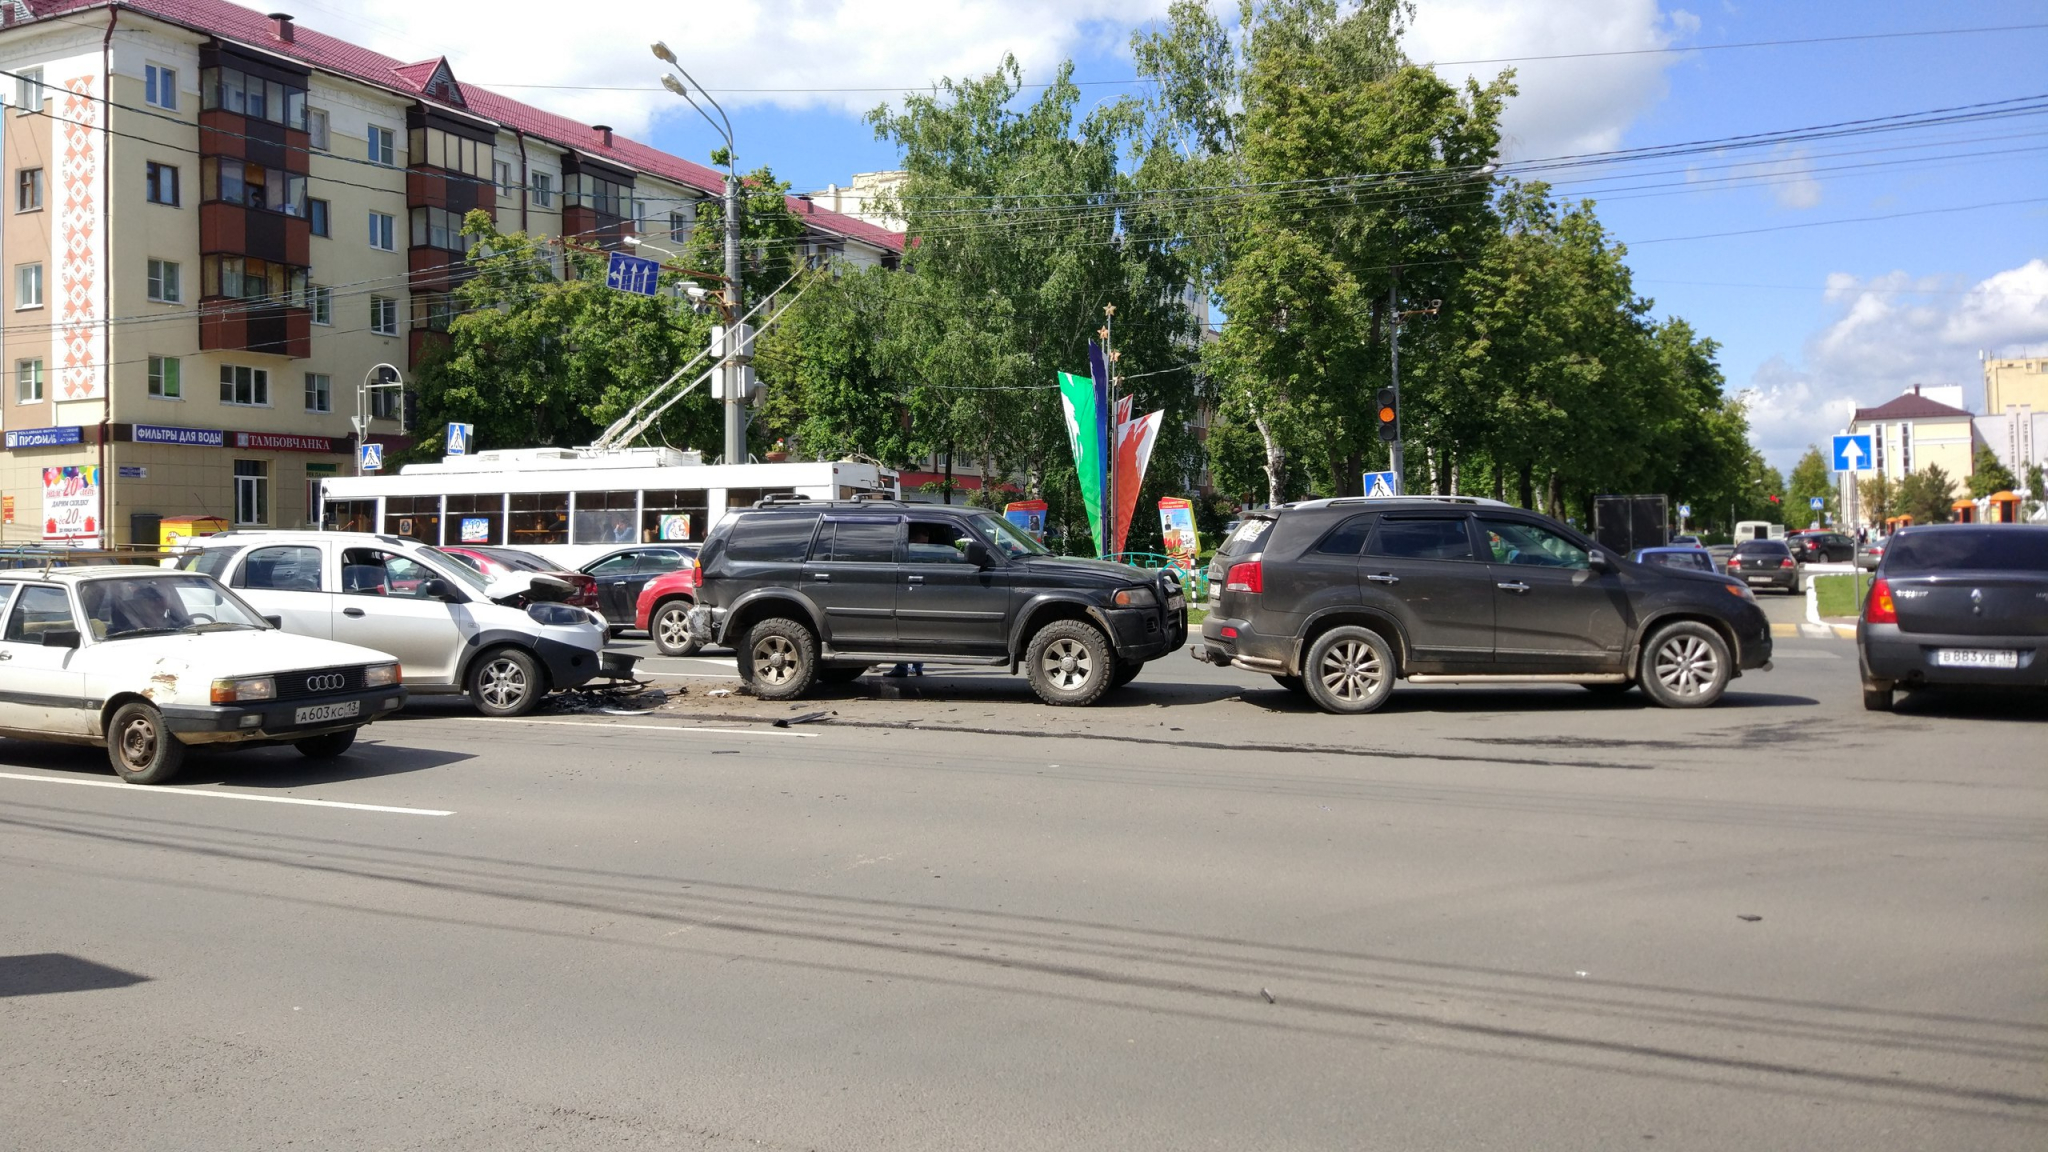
(459, 436)
(1380, 484)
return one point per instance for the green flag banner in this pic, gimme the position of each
(1084, 423)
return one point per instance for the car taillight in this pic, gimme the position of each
(1785, 563)
(1245, 577)
(1734, 562)
(1878, 607)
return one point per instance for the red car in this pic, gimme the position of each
(493, 561)
(664, 609)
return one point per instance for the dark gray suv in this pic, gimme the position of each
(808, 591)
(1339, 598)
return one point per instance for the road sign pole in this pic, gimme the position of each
(1394, 460)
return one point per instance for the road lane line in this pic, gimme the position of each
(645, 727)
(163, 790)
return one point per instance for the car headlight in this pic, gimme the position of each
(380, 675)
(1139, 597)
(244, 690)
(555, 613)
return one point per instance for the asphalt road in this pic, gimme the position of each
(944, 917)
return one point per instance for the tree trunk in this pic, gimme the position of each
(1553, 497)
(1451, 473)
(1276, 459)
(1528, 485)
(1500, 483)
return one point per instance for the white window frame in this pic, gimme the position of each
(319, 396)
(501, 175)
(542, 185)
(320, 301)
(36, 183)
(160, 86)
(387, 154)
(28, 286)
(29, 91)
(166, 371)
(259, 385)
(252, 493)
(384, 226)
(28, 380)
(384, 315)
(166, 281)
(319, 129)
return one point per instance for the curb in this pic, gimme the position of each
(1817, 628)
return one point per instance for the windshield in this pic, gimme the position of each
(123, 606)
(456, 568)
(1009, 539)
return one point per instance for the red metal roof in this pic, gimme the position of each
(319, 50)
(1911, 406)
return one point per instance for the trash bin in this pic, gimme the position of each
(143, 529)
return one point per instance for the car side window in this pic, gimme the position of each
(1514, 542)
(369, 572)
(40, 608)
(208, 561)
(469, 562)
(856, 541)
(281, 569)
(616, 566)
(1431, 538)
(771, 539)
(7, 589)
(935, 542)
(1348, 538)
(655, 561)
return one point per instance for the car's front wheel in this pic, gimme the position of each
(1350, 670)
(782, 659)
(1126, 671)
(141, 749)
(1685, 665)
(671, 628)
(326, 746)
(1069, 663)
(505, 682)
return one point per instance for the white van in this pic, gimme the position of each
(1758, 530)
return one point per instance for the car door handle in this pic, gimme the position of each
(1383, 578)
(822, 577)
(915, 579)
(351, 611)
(6, 655)
(1515, 586)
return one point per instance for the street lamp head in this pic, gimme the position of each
(632, 241)
(674, 85)
(662, 53)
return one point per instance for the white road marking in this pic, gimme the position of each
(161, 790)
(648, 727)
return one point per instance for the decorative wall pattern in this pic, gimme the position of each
(81, 253)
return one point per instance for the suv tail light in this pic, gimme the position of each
(1878, 608)
(1246, 577)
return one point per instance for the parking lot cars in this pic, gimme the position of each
(1822, 548)
(1686, 541)
(663, 610)
(1956, 604)
(808, 591)
(1870, 553)
(144, 661)
(496, 562)
(621, 575)
(506, 641)
(1340, 598)
(1764, 564)
(1693, 559)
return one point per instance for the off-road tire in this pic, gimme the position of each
(506, 682)
(141, 749)
(1069, 663)
(1349, 671)
(781, 659)
(1685, 665)
(670, 629)
(1126, 671)
(1294, 684)
(326, 746)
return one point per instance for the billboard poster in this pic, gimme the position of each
(675, 526)
(71, 504)
(476, 530)
(1177, 528)
(1028, 515)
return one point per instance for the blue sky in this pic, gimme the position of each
(1811, 318)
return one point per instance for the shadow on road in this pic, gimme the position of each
(41, 973)
(1974, 703)
(246, 767)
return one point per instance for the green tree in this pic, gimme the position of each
(1878, 498)
(1989, 474)
(1927, 496)
(1811, 478)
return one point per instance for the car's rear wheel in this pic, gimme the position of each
(1069, 663)
(326, 746)
(505, 682)
(1608, 689)
(671, 629)
(1685, 665)
(1294, 684)
(1350, 670)
(141, 749)
(782, 659)
(1877, 699)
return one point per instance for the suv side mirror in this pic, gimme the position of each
(61, 638)
(1598, 561)
(274, 621)
(436, 590)
(979, 554)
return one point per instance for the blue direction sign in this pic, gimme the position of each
(1854, 453)
(632, 274)
(370, 457)
(1379, 484)
(459, 436)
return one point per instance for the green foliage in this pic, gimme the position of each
(1926, 496)
(1810, 478)
(1988, 474)
(1878, 498)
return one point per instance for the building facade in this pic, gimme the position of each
(2015, 383)
(221, 224)
(1921, 428)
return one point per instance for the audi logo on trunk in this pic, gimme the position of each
(330, 682)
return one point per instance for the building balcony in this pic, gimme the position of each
(452, 191)
(436, 269)
(227, 325)
(585, 225)
(227, 229)
(264, 142)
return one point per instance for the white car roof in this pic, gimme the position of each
(88, 572)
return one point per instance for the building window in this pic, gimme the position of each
(678, 225)
(160, 86)
(237, 182)
(438, 228)
(252, 96)
(433, 311)
(383, 146)
(252, 492)
(501, 175)
(383, 315)
(319, 393)
(382, 230)
(385, 403)
(28, 190)
(163, 378)
(434, 148)
(28, 381)
(1905, 449)
(245, 386)
(543, 189)
(321, 300)
(28, 90)
(316, 128)
(163, 183)
(316, 214)
(28, 285)
(164, 283)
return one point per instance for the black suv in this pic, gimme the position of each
(820, 590)
(1339, 598)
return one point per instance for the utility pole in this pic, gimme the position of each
(1109, 549)
(735, 301)
(1394, 328)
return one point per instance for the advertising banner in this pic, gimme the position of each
(1028, 515)
(188, 437)
(71, 503)
(1133, 453)
(1177, 529)
(283, 442)
(1085, 435)
(675, 526)
(476, 530)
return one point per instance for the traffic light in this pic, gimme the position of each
(1390, 419)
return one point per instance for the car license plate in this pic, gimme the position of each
(321, 713)
(1176, 603)
(1975, 658)
(1759, 579)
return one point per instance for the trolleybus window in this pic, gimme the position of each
(605, 517)
(477, 519)
(414, 517)
(670, 517)
(352, 515)
(540, 518)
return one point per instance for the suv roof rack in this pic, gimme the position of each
(774, 498)
(1352, 501)
(874, 494)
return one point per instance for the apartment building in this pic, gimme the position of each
(220, 224)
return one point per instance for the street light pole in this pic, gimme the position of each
(387, 377)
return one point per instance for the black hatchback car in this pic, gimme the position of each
(809, 591)
(1765, 564)
(1339, 598)
(1957, 605)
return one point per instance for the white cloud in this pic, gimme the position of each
(1789, 175)
(1891, 332)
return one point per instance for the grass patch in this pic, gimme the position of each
(1840, 595)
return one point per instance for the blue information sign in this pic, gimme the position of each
(1854, 453)
(45, 437)
(189, 437)
(632, 274)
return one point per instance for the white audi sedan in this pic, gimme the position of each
(146, 661)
